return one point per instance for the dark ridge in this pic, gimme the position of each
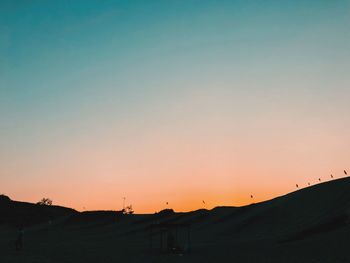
(195, 217)
(165, 212)
(331, 225)
(156, 216)
(4, 199)
(21, 213)
(237, 211)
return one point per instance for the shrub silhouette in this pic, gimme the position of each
(45, 201)
(128, 210)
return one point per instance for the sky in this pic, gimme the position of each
(174, 101)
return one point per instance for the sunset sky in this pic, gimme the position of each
(171, 101)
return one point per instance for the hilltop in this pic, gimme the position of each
(26, 214)
(308, 225)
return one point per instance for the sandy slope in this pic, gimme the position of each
(310, 225)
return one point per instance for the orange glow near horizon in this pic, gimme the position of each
(155, 165)
(171, 101)
(154, 170)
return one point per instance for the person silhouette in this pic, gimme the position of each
(19, 240)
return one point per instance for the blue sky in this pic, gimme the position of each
(83, 76)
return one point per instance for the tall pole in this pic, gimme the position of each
(123, 203)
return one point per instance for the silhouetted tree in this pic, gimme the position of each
(45, 201)
(128, 210)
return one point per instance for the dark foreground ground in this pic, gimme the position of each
(310, 225)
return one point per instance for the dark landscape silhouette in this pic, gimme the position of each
(309, 225)
(165, 131)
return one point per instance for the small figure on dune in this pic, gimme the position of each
(19, 240)
(319, 179)
(251, 196)
(345, 172)
(297, 185)
(308, 184)
(331, 175)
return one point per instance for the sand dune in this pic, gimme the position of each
(309, 225)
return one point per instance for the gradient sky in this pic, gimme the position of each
(171, 101)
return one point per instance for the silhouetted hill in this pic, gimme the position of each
(4, 199)
(23, 213)
(299, 215)
(308, 225)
